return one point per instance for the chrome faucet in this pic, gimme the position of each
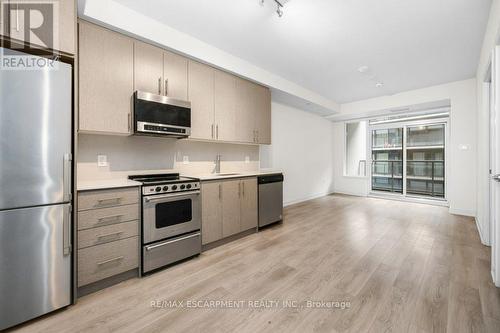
(217, 163)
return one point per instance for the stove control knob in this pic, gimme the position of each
(174, 187)
(158, 189)
(165, 188)
(188, 186)
(183, 186)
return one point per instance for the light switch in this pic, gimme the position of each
(102, 160)
(185, 159)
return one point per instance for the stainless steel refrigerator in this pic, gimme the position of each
(35, 192)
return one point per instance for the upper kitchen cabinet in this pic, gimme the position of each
(148, 68)
(106, 80)
(160, 72)
(225, 106)
(245, 111)
(263, 115)
(175, 76)
(201, 95)
(64, 25)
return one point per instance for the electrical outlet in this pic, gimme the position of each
(102, 160)
(185, 159)
(247, 159)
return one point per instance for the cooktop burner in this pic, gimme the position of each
(165, 178)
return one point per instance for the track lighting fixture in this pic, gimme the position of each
(279, 6)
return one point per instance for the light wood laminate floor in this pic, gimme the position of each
(403, 267)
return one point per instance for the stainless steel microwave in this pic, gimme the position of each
(161, 116)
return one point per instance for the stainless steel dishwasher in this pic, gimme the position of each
(270, 199)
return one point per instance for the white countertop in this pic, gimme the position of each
(236, 174)
(88, 185)
(104, 184)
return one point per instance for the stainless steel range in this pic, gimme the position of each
(171, 219)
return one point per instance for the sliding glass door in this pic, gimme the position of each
(425, 160)
(409, 159)
(387, 160)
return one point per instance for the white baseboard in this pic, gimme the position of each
(484, 240)
(464, 212)
(310, 197)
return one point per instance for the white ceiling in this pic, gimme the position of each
(320, 44)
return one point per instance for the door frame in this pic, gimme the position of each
(495, 165)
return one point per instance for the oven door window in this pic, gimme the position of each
(173, 212)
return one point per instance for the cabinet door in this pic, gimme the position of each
(225, 106)
(148, 68)
(245, 108)
(231, 207)
(263, 115)
(201, 95)
(106, 80)
(248, 203)
(211, 208)
(67, 24)
(175, 76)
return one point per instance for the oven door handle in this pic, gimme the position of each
(151, 247)
(168, 196)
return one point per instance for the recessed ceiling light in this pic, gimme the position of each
(379, 84)
(363, 69)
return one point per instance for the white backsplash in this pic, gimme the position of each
(137, 154)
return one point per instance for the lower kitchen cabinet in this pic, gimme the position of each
(108, 233)
(231, 196)
(249, 204)
(228, 208)
(211, 211)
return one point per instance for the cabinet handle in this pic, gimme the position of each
(212, 131)
(257, 131)
(239, 190)
(243, 183)
(110, 201)
(110, 261)
(108, 219)
(113, 235)
(129, 119)
(217, 131)
(220, 191)
(166, 87)
(159, 86)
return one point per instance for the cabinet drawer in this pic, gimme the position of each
(102, 261)
(106, 216)
(107, 198)
(110, 233)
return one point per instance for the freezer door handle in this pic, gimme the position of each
(67, 230)
(67, 178)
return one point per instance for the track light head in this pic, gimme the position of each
(279, 10)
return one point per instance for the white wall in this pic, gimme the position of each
(302, 147)
(463, 116)
(492, 37)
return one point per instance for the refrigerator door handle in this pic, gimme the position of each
(67, 178)
(67, 230)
